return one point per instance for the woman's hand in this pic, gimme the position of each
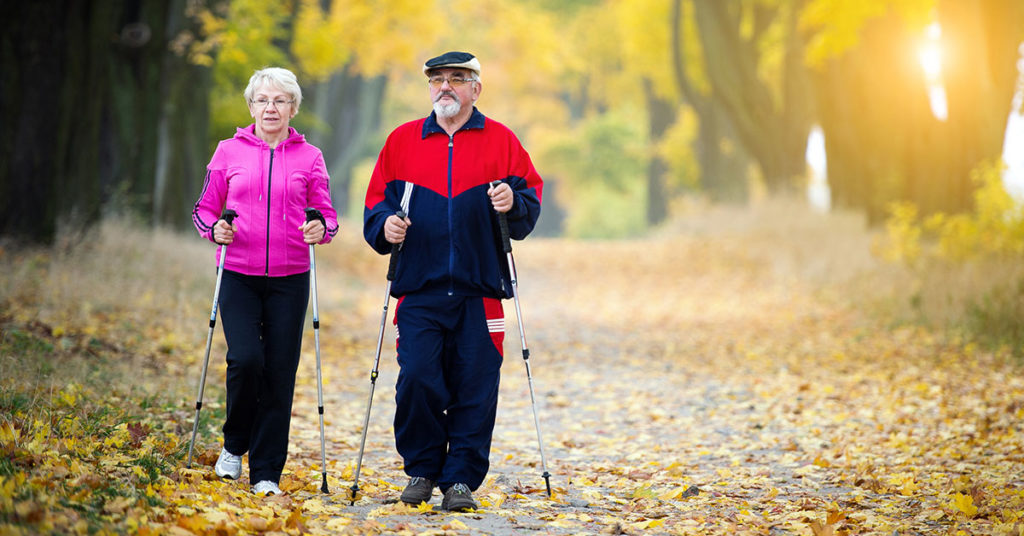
(312, 231)
(223, 232)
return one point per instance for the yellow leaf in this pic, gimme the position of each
(455, 525)
(295, 520)
(24, 508)
(337, 524)
(647, 524)
(118, 505)
(424, 507)
(672, 494)
(964, 503)
(643, 492)
(257, 524)
(909, 487)
(8, 434)
(492, 500)
(216, 516)
(314, 506)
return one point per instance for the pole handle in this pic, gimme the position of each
(506, 241)
(229, 216)
(313, 214)
(393, 263)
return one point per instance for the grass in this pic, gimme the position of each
(981, 301)
(99, 333)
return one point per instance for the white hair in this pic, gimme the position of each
(278, 78)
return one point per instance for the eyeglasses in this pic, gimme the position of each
(455, 81)
(278, 103)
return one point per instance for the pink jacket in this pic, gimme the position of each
(270, 190)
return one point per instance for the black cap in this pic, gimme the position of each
(460, 60)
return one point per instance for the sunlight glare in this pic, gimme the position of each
(818, 193)
(930, 57)
(1013, 142)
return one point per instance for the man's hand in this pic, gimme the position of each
(394, 229)
(223, 232)
(501, 197)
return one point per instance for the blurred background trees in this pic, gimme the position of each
(626, 106)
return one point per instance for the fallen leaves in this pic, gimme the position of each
(716, 399)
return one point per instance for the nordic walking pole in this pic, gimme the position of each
(507, 246)
(228, 216)
(376, 361)
(314, 214)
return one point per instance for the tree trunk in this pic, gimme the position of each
(884, 143)
(33, 58)
(773, 130)
(107, 117)
(723, 174)
(980, 74)
(661, 114)
(182, 151)
(350, 106)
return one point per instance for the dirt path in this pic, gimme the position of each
(686, 387)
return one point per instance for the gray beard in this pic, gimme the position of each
(447, 110)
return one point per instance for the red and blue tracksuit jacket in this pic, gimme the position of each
(450, 278)
(453, 246)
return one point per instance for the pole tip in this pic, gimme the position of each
(355, 491)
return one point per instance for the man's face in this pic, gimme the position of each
(450, 89)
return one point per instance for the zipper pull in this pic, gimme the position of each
(451, 141)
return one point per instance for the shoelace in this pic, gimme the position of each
(460, 488)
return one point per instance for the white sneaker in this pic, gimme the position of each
(266, 487)
(228, 465)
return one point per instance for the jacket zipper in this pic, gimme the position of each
(451, 240)
(270, 174)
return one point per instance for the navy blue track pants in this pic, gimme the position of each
(449, 354)
(262, 319)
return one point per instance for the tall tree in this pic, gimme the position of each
(93, 87)
(753, 57)
(721, 158)
(341, 50)
(884, 143)
(347, 48)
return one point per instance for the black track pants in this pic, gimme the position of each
(262, 319)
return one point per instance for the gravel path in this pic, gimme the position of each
(684, 387)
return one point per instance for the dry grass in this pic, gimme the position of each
(145, 294)
(835, 254)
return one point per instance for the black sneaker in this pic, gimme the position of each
(458, 499)
(418, 491)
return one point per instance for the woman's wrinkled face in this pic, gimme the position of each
(272, 109)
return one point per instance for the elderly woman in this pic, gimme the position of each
(269, 175)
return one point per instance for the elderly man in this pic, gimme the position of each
(451, 275)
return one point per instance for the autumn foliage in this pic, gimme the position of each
(724, 376)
